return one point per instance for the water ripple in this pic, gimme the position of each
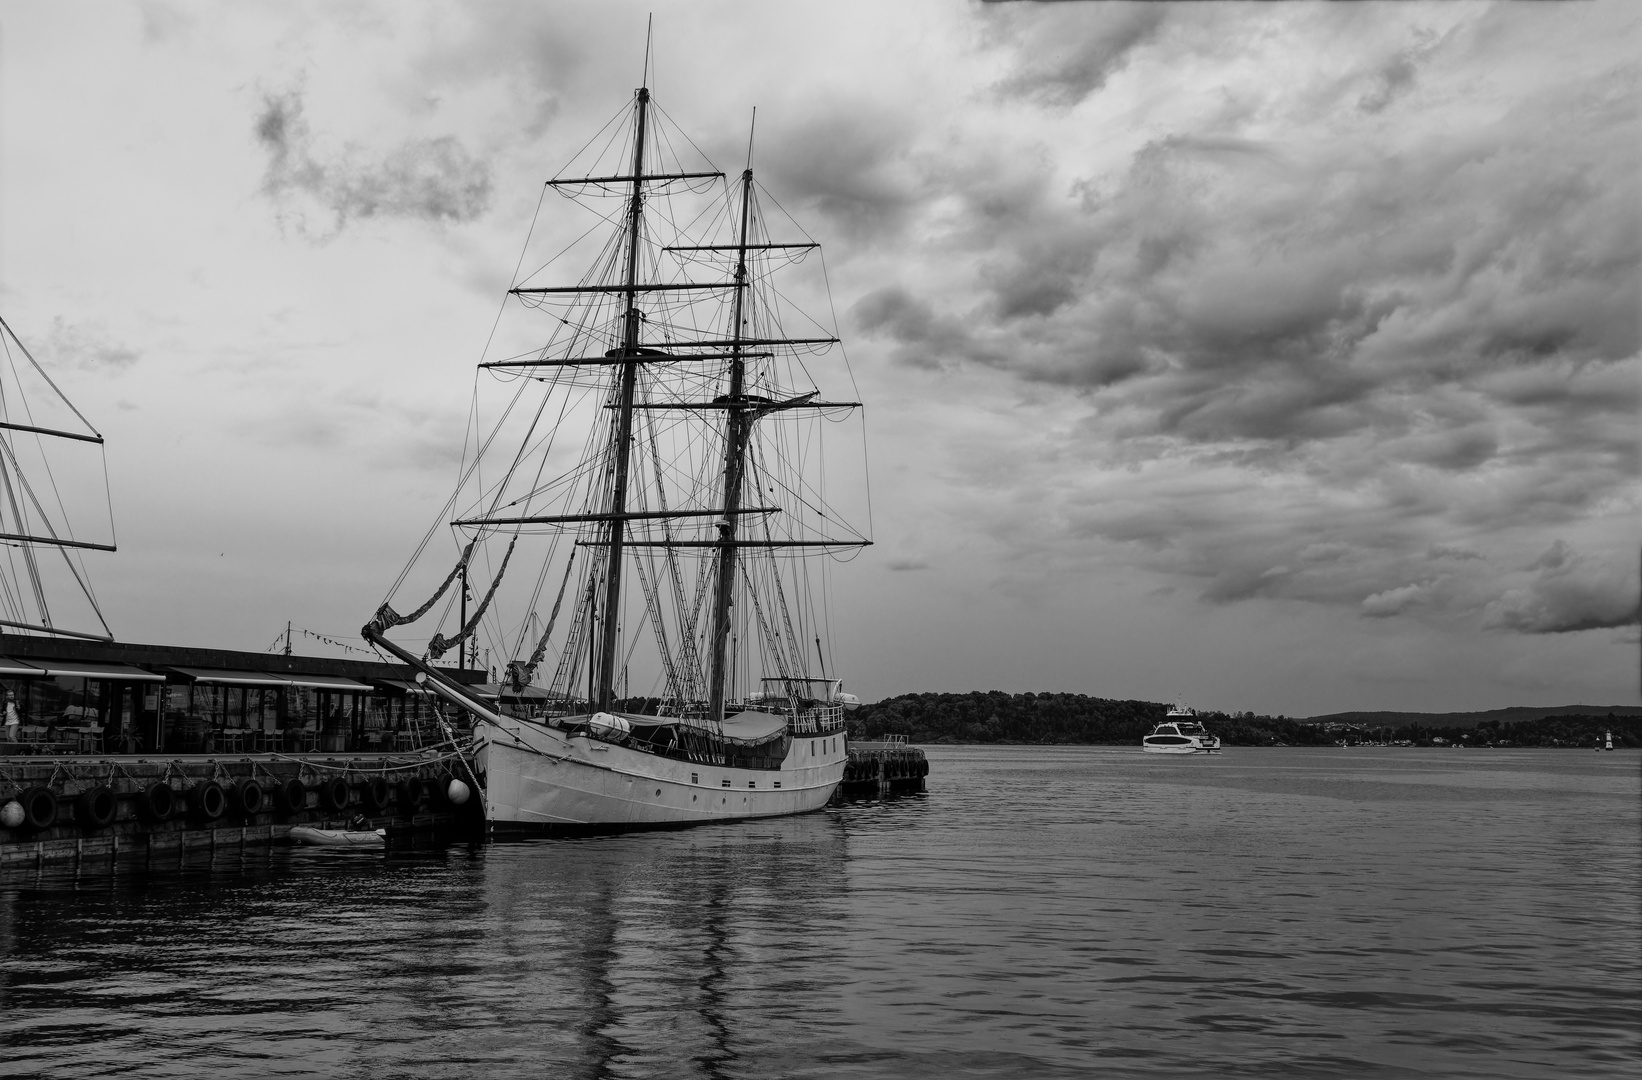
(1051, 912)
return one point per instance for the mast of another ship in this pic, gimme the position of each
(737, 423)
(27, 536)
(605, 688)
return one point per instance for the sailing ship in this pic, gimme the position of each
(689, 541)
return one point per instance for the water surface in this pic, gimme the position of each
(1042, 912)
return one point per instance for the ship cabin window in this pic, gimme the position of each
(695, 778)
(812, 748)
(726, 781)
(778, 783)
(752, 783)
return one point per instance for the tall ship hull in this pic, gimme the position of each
(540, 779)
(668, 657)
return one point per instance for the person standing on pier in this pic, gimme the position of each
(14, 724)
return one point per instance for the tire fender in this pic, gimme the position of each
(39, 808)
(207, 801)
(94, 808)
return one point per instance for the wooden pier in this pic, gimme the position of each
(108, 807)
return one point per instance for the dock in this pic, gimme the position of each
(85, 808)
(118, 749)
(888, 766)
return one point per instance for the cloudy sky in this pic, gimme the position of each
(1275, 357)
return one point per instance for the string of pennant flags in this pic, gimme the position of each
(283, 640)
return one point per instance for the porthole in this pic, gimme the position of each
(658, 791)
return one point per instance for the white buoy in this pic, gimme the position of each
(458, 792)
(11, 815)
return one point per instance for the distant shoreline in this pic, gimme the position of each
(1279, 746)
(1030, 719)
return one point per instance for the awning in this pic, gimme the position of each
(401, 686)
(8, 666)
(327, 682)
(225, 677)
(112, 672)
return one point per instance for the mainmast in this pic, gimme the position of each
(604, 688)
(735, 446)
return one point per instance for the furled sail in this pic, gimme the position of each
(386, 617)
(440, 644)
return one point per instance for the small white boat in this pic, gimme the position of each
(344, 838)
(1181, 733)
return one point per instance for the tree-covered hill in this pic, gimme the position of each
(1068, 719)
(996, 717)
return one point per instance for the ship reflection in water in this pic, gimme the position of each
(1044, 911)
(603, 956)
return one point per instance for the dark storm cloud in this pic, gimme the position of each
(1061, 57)
(1450, 551)
(849, 163)
(1395, 77)
(1568, 593)
(1382, 319)
(926, 338)
(431, 179)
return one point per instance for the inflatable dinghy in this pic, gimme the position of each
(307, 834)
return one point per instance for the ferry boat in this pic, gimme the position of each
(1181, 733)
(681, 375)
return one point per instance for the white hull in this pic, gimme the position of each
(1180, 749)
(541, 779)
